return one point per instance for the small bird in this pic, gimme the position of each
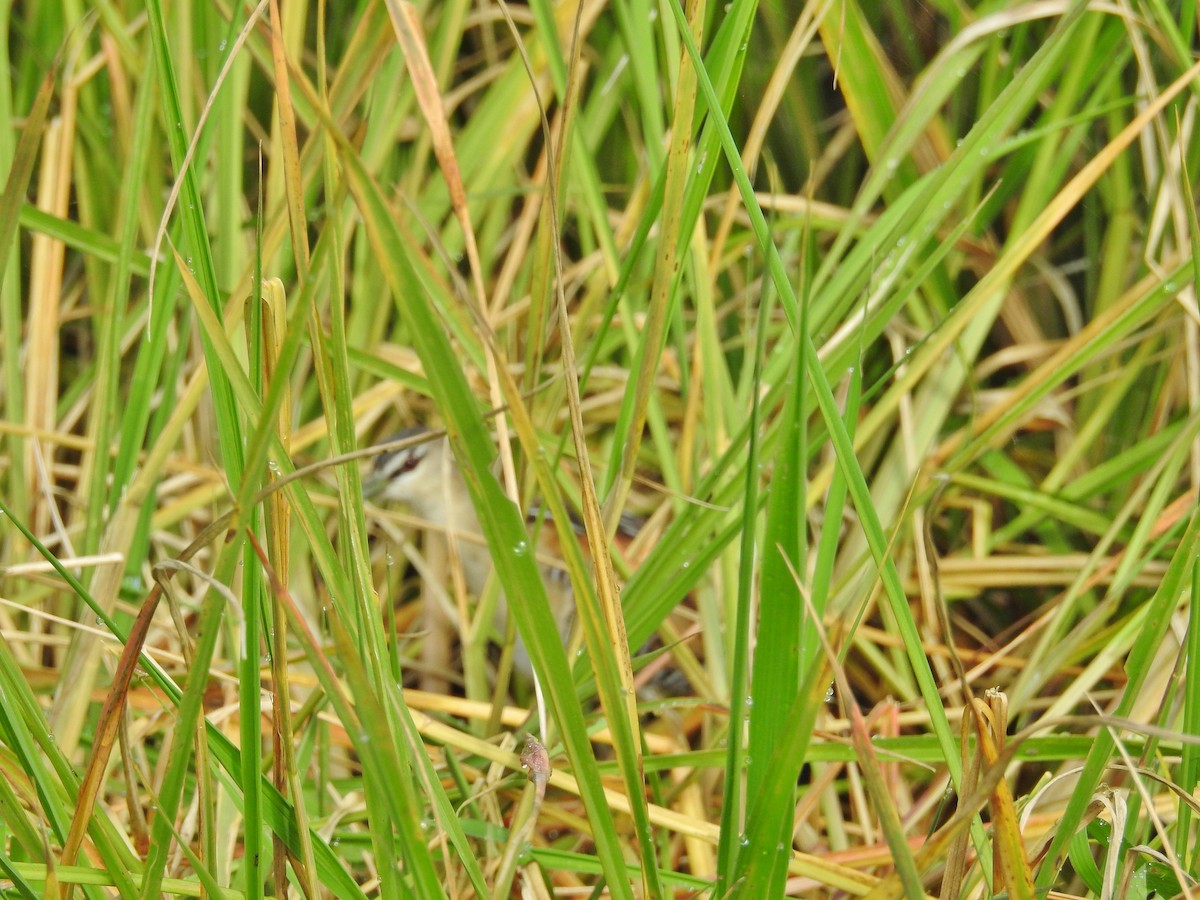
(425, 478)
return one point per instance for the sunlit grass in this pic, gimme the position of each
(881, 317)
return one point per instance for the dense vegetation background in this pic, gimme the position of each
(882, 315)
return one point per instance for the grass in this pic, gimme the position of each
(882, 316)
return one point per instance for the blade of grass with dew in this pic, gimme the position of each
(599, 610)
(689, 538)
(601, 637)
(334, 355)
(932, 400)
(502, 525)
(775, 674)
(699, 537)
(1140, 304)
(737, 786)
(1079, 851)
(837, 282)
(845, 457)
(888, 296)
(1071, 191)
(773, 804)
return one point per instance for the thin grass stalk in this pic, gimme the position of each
(736, 794)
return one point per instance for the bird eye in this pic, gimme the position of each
(410, 462)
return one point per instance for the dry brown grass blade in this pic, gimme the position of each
(292, 176)
(115, 700)
(407, 24)
(108, 726)
(822, 870)
(46, 260)
(278, 523)
(1010, 866)
(45, 304)
(939, 843)
(958, 849)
